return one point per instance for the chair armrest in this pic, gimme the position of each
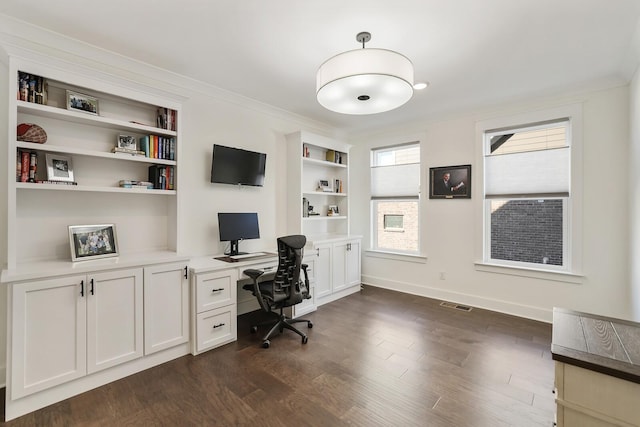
(304, 270)
(253, 273)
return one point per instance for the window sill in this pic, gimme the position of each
(397, 256)
(556, 276)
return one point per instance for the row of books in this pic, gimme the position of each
(334, 156)
(26, 166)
(166, 118)
(338, 186)
(32, 88)
(162, 177)
(158, 147)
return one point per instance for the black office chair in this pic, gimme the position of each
(286, 289)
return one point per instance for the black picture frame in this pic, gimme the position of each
(459, 186)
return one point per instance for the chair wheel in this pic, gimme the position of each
(254, 329)
(304, 339)
(266, 344)
(309, 325)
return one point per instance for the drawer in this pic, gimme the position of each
(214, 290)
(614, 398)
(215, 328)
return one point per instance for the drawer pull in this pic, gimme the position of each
(217, 290)
(218, 326)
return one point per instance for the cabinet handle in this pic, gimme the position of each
(217, 290)
(185, 272)
(348, 246)
(91, 287)
(218, 326)
(81, 288)
(317, 251)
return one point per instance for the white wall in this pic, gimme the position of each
(634, 195)
(450, 227)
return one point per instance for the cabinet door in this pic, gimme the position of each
(166, 307)
(48, 339)
(340, 266)
(322, 271)
(353, 263)
(114, 318)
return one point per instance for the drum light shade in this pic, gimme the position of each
(365, 81)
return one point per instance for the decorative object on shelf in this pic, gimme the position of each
(92, 241)
(29, 132)
(450, 182)
(81, 102)
(127, 142)
(305, 207)
(32, 88)
(365, 81)
(325, 185)
(333, 210)
(334, 156)
(59, 168)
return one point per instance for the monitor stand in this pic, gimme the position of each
(234, 249)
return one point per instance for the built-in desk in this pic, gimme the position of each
(597, 369)
(217, 297)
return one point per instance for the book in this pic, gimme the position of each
(144, 145)
(127, 151)
(24, 169)
(33, 165)
(48, 181)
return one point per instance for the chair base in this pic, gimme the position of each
(283, 322)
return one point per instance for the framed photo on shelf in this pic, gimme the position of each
(325, 185)
(333, 210)
(450, 182)
(92, 241)
(127, 142)
(80, 102)
(59, 167)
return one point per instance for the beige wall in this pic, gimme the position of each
(449, 226)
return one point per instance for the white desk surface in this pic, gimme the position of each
(210, 263)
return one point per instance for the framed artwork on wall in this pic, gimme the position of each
(450, 182)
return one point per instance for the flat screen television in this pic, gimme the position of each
(234, 227)
(237, 166)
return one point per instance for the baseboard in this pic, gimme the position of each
(501, 306)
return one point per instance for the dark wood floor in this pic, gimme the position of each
(377, 358)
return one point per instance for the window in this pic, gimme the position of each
(527, 194)
(395, 183)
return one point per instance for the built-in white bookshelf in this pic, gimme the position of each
(39, 214)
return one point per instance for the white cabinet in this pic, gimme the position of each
(337, 269)
(66, 328)
(214, 309)
(166, 307)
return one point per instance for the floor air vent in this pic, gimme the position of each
(456, 306)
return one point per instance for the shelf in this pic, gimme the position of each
(323, 162)
(91, 153)
(323, 193)
(88, 119)
(64, 187)
(324, 218)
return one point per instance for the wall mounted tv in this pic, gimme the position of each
(237, 166)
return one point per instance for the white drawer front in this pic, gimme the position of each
(214, 290)
(216, 327)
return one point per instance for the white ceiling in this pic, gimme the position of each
(473, 52)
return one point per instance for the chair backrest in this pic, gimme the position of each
(287, 277)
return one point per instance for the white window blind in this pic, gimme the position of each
(529, 174)
(395, 181)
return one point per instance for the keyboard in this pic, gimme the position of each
(250, 255)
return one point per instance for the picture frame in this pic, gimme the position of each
(59, 167)
(127, 142)
(456, 186)
(333, 210)
(81, 102)
(325, 185)
(88, 242)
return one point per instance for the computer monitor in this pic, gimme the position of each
(238, 226)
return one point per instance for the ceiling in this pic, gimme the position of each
(474, 53)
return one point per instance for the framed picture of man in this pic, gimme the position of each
(450, 182)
